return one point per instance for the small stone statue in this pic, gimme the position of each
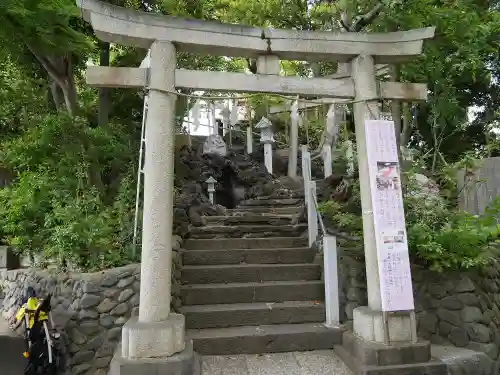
(215, 145)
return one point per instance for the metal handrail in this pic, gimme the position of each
(318, 214)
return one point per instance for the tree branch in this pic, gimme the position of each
(361, 21)
(47, 64)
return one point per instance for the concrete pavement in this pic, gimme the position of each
(321, 362)
(12, 361)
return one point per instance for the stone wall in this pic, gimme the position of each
(352, 285)
(453, 308)
(90, 308)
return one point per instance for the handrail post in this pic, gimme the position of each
(330, 269)
(306, 175)
(312, 214)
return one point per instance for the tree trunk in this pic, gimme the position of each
(104, 104)
(60, 70)
(70, 96)
(57, 95)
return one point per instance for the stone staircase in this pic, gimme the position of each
(250, 284)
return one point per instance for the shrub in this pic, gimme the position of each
(73, 197)
(440, 236)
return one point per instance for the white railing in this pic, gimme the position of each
(330, 256)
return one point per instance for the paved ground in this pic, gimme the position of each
(12, 361)
(322, 362)
(304, 363)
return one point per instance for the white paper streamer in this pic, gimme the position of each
(331, 125)
(225, 113)
(234, 114)
(195, 112)
(211, 109)
(294, 110)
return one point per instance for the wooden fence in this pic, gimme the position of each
(480, 188)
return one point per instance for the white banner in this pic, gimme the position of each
(388, 216)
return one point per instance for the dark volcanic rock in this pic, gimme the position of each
(238, 175)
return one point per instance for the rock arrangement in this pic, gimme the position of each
(239, 177)
(89, 308)
(238, 174)
(458, 309)
(195, 166)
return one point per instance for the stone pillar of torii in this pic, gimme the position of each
(158, 332)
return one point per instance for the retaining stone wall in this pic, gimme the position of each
(453, 308)
(90, 308)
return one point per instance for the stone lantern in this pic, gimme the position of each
(267, 139)
(211, 188)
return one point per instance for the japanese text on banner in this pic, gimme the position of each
(388, 216)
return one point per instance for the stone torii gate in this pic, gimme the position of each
(157, 333)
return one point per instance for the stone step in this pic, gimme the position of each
(248, 256)
(292, 210)
(245, 243)
(245, 314)
(259, 219)
(270, 291)
(264, 339)
(282, 194)
(431, 367)
(244, 273)
(272, 202)
(247, 231)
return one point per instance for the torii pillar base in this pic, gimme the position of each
(364, 351)
(373, 358)
(155, 348)
(186, 362)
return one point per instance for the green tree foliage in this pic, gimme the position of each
(55, 206)
(460, 66)
(52, 33)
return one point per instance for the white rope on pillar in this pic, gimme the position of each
(140, 173)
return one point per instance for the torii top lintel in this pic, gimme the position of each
(140, 29)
